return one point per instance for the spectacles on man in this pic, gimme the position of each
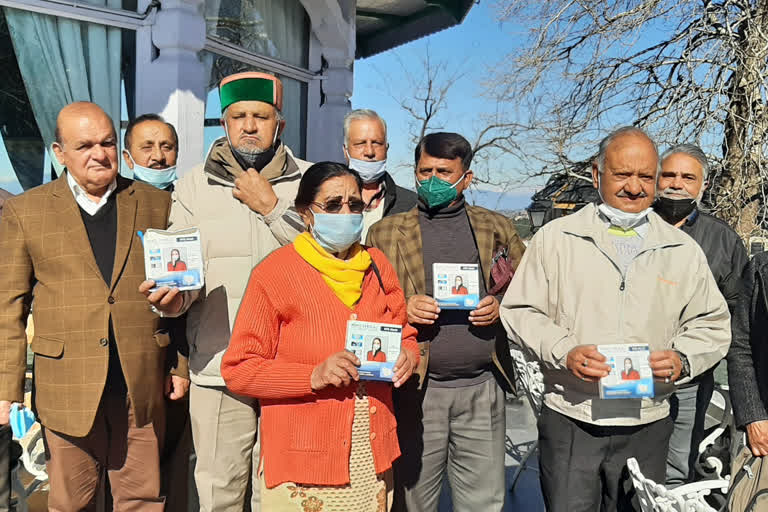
(335, 205)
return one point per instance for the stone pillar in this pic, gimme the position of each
(333, 33)
(170, 79)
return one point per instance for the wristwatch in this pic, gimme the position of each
(685, 369)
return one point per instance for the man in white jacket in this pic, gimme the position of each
(612, 274)
(241, 198)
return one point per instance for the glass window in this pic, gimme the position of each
(294, 103)
(277, 29)
(47, 62)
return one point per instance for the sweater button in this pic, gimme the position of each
(103, 342)
(353, 316)
(111, 299)
(373, 436)
(373, 409)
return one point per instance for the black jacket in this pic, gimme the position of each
(727, 258)
(396, 198)
(748, 356)
(724, 250)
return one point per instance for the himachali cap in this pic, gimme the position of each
(251, 86)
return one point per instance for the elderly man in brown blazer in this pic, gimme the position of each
(101, 365)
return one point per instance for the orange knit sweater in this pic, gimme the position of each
(289, 322)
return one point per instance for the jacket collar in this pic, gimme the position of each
(390, 193)
(126, 217)
(588, 224)
(222, 167)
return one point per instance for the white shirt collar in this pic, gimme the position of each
(82, 198)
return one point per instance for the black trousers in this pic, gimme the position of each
(5, 467)
(584, 466)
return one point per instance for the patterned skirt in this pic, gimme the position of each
(366, 491)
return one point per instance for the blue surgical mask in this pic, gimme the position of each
(370, 172)
(159, 178)
(336, 232)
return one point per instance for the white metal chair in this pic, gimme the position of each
(655, 497)
(531, 381)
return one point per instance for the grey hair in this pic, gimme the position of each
(624, 130)
(692, 151)
(362, 113)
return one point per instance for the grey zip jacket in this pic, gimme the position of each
(569, 290)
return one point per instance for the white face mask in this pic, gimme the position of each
(370, 172)
(159, 178)
(620, 218)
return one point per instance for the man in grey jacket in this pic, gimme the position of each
(612, 274)
(241, 198)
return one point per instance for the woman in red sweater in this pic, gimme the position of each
(328, 439)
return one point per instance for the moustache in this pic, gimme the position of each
(623, 193)
(675, 193)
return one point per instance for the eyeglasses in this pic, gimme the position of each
(335, 205)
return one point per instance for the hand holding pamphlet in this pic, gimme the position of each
(631, 375)
(174, 258)
(377, 346)
(456, 285)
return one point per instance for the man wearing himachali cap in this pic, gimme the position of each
(241, 198)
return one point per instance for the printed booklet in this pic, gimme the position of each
(631, 375)
(456, 285)
(174, 258)
(377, 346)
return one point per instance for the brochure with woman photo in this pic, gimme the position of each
(456, 285)
(631, 375)
(377, 346)
(174, 258)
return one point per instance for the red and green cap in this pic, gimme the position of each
(251, 86)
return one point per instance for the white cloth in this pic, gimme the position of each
(82, 198)
(371, 217)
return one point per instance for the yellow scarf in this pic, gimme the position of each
(345, 277)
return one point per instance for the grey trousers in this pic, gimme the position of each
(453, 432)
(680, 442)
(688, 409)
(224, 433)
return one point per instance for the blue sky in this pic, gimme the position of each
(471, 49)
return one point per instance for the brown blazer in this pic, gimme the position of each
(399, 238)
(45, 251)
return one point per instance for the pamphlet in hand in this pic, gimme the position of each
(631, 375)
(174, 258)
(456, 285)
(377, 346)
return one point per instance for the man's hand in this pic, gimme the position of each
(585, 362)
(666, 365)
(255, 192)
(176, 387)
(757, 437)
(486, 312)
(339, 370)
(404, 367)
(5, 412)
(422, 310)
(165, 299)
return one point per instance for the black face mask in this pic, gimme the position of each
(674, 210)
(254, 161)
